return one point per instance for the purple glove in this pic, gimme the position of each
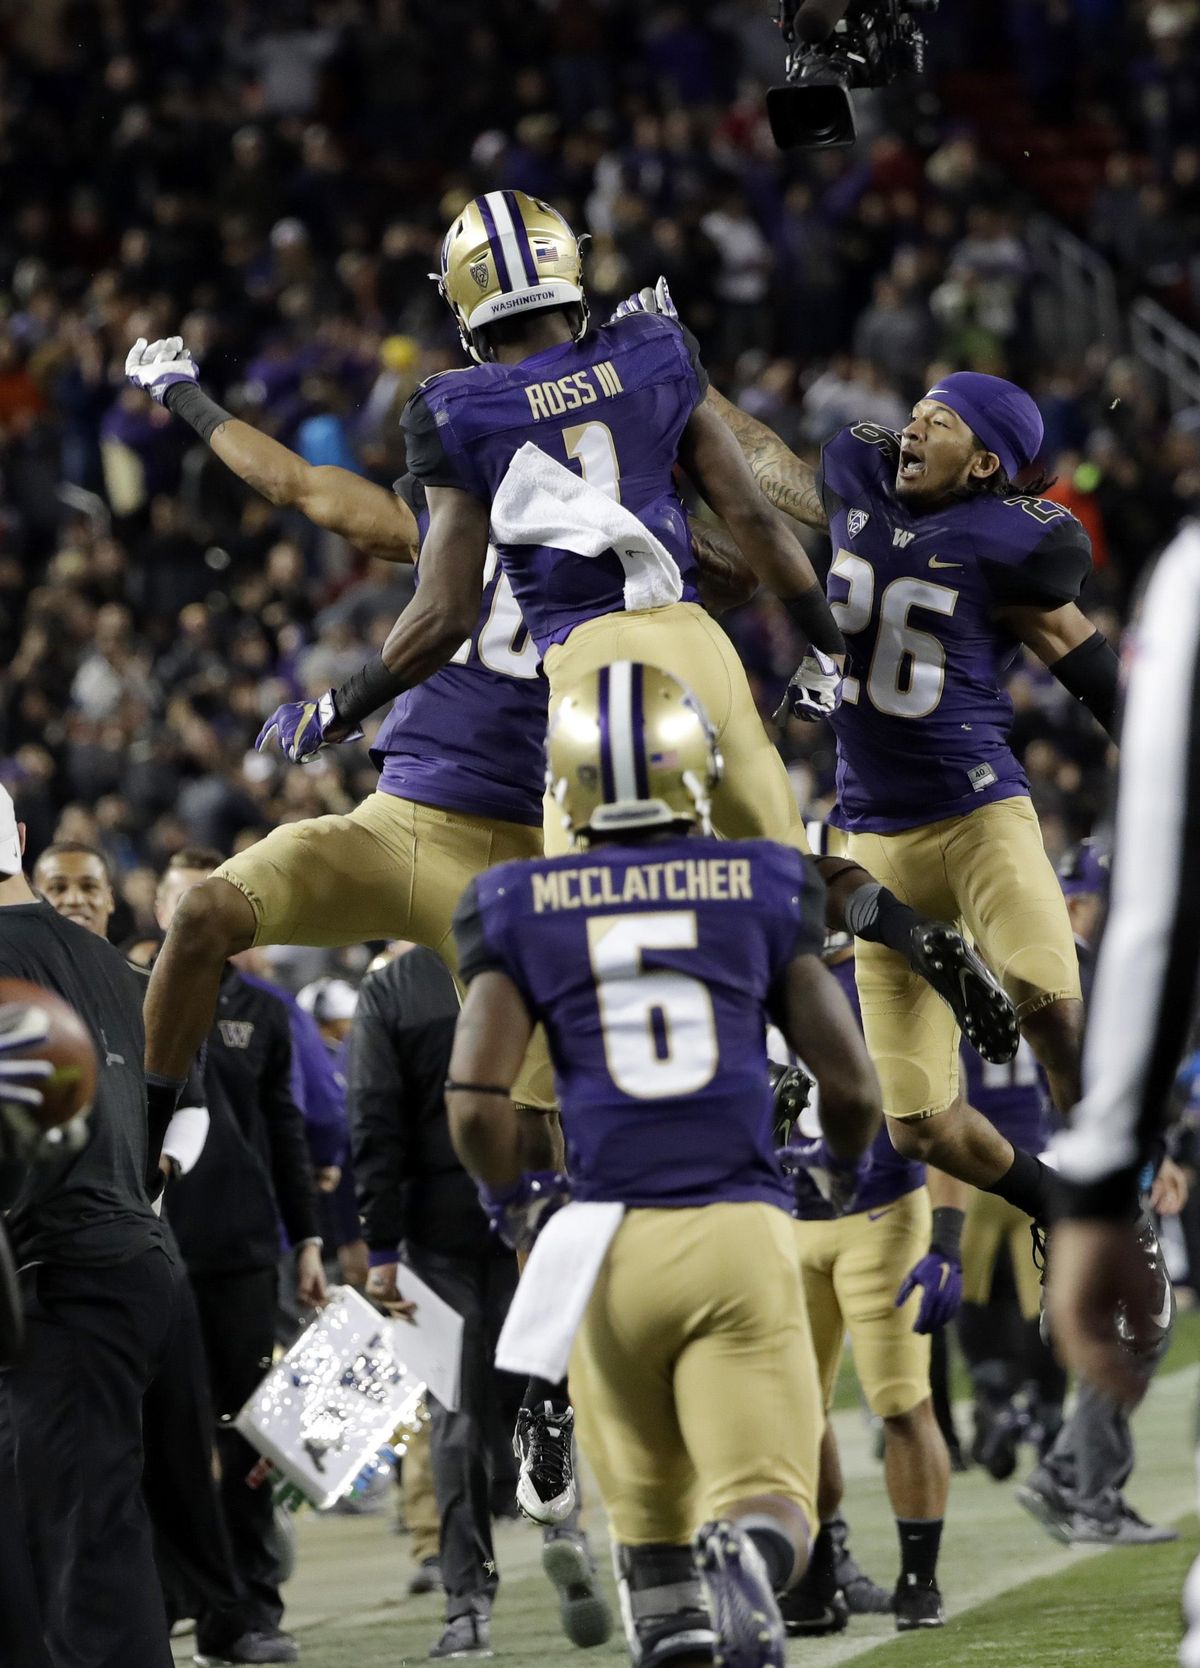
(520, 1212)
(301, 727)
(156, 367)
(836, 1179)
(656, 300)
(939, 1278)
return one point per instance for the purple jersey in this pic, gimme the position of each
(922, 733)
(471, 737)
(652, 966)
(890, 1177)
(611, 408)
(1013, 1097)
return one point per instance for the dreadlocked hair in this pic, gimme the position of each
(999, 485)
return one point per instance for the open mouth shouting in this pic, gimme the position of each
(912, 464)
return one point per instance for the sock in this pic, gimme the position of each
(774, 1547)
(822, 1560)
(539, 1391)
(874, 913)
(920, 1541)
(1028, 1184)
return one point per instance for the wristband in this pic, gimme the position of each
(947, 1232)
(810, 613)
(189, 402)
(366, 690)
(1091, 673)
(451, 1087)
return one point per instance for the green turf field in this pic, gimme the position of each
(1015, 1598)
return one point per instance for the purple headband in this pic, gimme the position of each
(1002, 416)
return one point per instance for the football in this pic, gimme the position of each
(69, 1047)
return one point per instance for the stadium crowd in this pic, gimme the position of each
(272, 180)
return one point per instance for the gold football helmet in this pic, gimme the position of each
(508, 253)
(630, 748)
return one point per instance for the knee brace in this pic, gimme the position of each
(662, 1604)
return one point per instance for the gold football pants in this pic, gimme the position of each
(391, 868)
(990, 1224)
(754, 798)
(852, 1268)
(989, 873)
(692, 1374)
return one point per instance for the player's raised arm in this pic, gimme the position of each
(713, 461)
(370, 517)
(1080, 656)
(786, 480)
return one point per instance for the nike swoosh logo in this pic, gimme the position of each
(874, 1215)
(936, 562)
(1164, 1314)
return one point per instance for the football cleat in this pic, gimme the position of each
(917, 1604)
(747, 1626)
(810, 1613)
(586, 1617)
(863, 1596)
(546, 1481)
(984, 1013)
(468, 1635)
(1118, 1526)
(259, 1645)
(998, 1430)
(1044, 1500)
(1146, 1336)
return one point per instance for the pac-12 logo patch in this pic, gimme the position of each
(479, 272)
(856, 521)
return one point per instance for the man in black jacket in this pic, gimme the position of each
(78, 1586)
(413, 1192)
(254, 1172)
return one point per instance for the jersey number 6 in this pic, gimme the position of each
(908, 667)
(660, 1033)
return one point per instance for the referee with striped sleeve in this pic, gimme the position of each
(1144, 995)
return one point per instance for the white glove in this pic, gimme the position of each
(160, 365)
(815, 690)
(656, 300)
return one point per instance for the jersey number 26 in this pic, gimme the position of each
(908, 667)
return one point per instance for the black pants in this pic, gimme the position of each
(237, 1318)
(78, 1583)
(462, 1443)
(192, 1548)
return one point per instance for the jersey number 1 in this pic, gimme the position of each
(594, 449)
(660, 1033)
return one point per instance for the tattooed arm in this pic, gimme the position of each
(786, 480)
(726, 578)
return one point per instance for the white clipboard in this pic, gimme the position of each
(429, 1345)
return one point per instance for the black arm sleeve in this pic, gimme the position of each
(1091, 672)
(380, 1132)
(812, 617)
(423, 449)
(291, 1169)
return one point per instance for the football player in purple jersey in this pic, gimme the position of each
(560, 444)
(943, 567)
(889, 1273)
(654, 954)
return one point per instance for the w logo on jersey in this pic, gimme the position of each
(856, 521)
(900, 537)
(236, 1033)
